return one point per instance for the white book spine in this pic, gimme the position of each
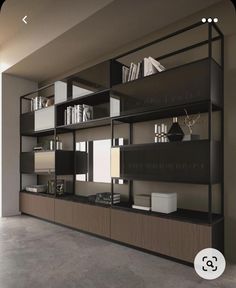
(65, 117)
(68, 115)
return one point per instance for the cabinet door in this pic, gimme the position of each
(38, 206)
(177, 239)
(92, 219)
(126, 227)
(44, 161)
(64, 212)
(44, 119)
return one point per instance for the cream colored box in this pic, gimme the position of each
(164, 202)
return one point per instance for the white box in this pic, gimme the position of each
(164, 202)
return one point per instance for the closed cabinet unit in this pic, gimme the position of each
(64, 212)
(37, 205)
(44, 119)
(92, 219)
(177, 239)
(44, 162)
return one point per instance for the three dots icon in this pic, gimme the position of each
(209, 20)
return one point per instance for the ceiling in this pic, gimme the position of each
(113, 26)
(37, 11)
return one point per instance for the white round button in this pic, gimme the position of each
(209, 263)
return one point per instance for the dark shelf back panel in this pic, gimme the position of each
(27, 123)
(64, 162)
(184, 162)
(94, 79)
(187, 84)
(81, 166)
(27, 162)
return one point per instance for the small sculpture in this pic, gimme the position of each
(190, 121)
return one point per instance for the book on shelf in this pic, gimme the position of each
(157, 65)
(147, 67)
(77, 114)
(125, 74)
(141, 207)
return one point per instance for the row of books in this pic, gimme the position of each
(144, 68)
(106, 198)
(78, 113)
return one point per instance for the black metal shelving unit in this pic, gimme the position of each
(208, 99)
(196, 86)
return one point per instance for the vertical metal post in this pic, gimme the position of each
(74, 168)
(130, 181)
(20, 144)
(55, 151)
(210, 126)
(112, 136)
(222, 127)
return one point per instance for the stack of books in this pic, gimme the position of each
(106, 198)
(77, 113)
(36, 188)
(142, 202)
(144, 68)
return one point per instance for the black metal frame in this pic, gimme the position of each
(210, 105)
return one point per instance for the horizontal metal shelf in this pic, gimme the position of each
(185, 215)
(84, 125)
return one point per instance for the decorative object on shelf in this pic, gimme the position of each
(58, 144)
(38, 102)
(55, 145)
(148, 66)
(60, 187)
(106, 198)
(161, 133)
(36, 188)
(190, 121)
(175, 133)
(38, 148)
(164, 202)
(52, 145)
(87, 112)
(49, 102)
(142, 202)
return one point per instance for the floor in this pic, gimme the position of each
(34, 253)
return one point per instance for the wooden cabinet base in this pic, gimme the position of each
(36, 205)
(173, 238)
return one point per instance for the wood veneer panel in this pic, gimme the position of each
(64, 212)
(92, 219)
(181, 240)
(38, 206)
(126, 227)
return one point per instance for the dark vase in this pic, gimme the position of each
(175, 133)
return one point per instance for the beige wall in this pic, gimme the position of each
(12, 87)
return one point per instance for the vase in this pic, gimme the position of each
(175, 133)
